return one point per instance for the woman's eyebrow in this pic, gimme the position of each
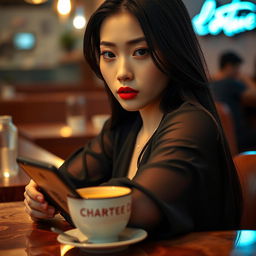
(130, 42)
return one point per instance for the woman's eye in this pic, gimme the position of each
(107, 55)
(141, 52)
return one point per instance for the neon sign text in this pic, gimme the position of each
(233, 18)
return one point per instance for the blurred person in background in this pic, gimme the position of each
(238, 93)
(254, 73)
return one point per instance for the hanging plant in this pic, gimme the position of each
(68, 41)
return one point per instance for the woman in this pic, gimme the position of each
(164, 138)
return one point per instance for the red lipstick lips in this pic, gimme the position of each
(127, 93)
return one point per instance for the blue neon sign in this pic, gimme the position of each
(231, 19)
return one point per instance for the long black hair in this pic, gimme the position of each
(167, 28)
(176, 52)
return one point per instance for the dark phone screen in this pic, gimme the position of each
(53, 185)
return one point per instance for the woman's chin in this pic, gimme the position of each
(129, 107)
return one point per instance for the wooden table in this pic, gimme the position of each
(12, 188)
(57, 138)
(19, 236)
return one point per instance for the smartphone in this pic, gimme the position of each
(52, 183)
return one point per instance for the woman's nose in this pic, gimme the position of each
(124, 71)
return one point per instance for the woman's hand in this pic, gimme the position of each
(35, 203)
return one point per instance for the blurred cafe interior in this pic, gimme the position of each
(42, 68)
(44, 79)
(43, 72)
(42, 65)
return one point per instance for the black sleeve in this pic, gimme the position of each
(173, 173)
(178, 184)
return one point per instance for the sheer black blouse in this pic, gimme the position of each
(181, 184)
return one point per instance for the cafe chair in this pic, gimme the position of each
(246, 167)
(228, 126)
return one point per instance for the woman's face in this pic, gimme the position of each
(127, 66)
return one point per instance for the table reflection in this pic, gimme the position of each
(68, 250)
(41, 241)
(35, 246)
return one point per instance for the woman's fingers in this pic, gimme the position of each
(35, 203)
(32, 191)
(38, 214)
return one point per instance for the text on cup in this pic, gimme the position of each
(106, 212)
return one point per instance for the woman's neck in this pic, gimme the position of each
(151, 118)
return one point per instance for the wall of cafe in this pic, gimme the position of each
(44, 22)
(47, 61)
(244, 44)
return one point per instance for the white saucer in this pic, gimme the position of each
(127, 237)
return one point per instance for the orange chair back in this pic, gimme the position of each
(246, 167)
(228, 126)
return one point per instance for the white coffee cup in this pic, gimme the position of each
(103, 212)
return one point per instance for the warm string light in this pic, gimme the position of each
(35, 1)
(79, 20)
(64, 7)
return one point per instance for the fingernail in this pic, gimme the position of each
(51, 211)
(39, 198)
(44, 206)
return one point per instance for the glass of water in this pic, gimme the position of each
(76, 118)
(8, 147)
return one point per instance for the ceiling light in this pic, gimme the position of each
(79, 20)
(64, 7)
(35, 1)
